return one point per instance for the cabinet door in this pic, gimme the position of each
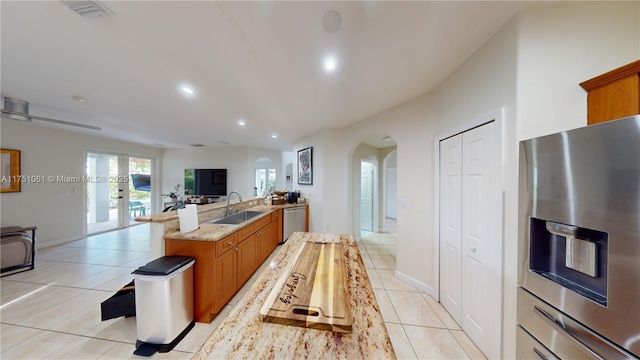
(226, 278)
(615, 100)
(247, 258)
(276, 219)
(267, 242)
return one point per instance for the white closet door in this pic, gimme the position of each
(481, 240)
(366, 196)
(450, 226)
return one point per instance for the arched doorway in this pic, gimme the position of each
(374, 162)
(374, 201)
(265, 177)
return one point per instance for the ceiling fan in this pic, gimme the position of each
(15, 109)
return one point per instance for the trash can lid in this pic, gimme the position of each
(164, 265)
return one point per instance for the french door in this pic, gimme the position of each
(118, 189)
(265, 181)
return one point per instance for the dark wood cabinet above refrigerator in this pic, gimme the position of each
(613, 95)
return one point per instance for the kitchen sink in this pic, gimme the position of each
(237, 218)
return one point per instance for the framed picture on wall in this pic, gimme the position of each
(305, 166)
(10, 171)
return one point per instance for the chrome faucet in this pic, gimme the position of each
(229, 198)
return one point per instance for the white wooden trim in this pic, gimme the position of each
(48, 244)
(415, 283)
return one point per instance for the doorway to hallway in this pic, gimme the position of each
(368, 199)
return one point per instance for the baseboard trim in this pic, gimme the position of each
(415, 283)
(40, 245)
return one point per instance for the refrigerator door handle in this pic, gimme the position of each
(560, 327)
(539, 354)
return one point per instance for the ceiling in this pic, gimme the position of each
(257, 61)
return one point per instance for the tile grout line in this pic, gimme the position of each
(445, 327)
(408, 339)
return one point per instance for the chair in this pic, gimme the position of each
(136, 208)
(18, 249)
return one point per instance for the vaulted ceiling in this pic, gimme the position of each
(262, 62)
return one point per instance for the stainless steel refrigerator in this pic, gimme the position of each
(579, 244)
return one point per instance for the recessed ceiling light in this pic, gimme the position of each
(78, 98)
(242, 122)
(187, 91)
(274, 136)
(330, 64)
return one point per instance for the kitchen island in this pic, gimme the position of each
(241, 335)
(167, 223)
(226, 255)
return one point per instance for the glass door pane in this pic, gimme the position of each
(265, 182)
(103, 194)
(139, 188)
(260, 183)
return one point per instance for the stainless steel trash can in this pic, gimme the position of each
(164, 303)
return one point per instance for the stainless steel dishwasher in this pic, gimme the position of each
(295, 219)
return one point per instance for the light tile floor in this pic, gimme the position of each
(419, 327)
(53, 312)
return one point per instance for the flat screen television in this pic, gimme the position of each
(205, 182)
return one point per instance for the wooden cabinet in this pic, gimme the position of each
(267, 241)
(226, 279)
(247, 258)
(204, 286)
(276, 218)
(226, 244)
(613, 95)
(222, 267)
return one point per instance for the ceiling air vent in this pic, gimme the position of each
(88, 9)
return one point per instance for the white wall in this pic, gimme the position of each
(562, 45)
(257, 153)
(50, 151)
(288, 162)
(321, 142)
(238, 160)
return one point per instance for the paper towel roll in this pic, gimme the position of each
(188, 218)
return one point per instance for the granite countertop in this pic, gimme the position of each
(241, 335)
(215, 232)
(173, 215)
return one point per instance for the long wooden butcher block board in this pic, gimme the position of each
(312, 292)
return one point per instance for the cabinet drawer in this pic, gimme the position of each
(275, 216)
(252, 228)
(226, 244)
